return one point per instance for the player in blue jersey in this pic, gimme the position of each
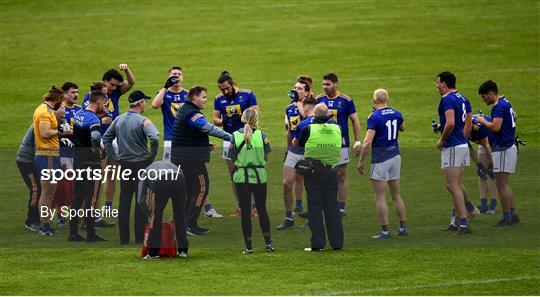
(228, 108)
(64, 188)
(293, 116)
(504, 155)
(482, 136)
(383, 127)
(87, 156)
(343, 109)
(455, 116)
(171, 98)
(115, 87)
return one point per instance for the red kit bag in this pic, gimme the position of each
(169, 246)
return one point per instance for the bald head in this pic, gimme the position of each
(380, 96)
(320, 110)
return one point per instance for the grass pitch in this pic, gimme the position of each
(400, 46)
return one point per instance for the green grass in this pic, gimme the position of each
(400, 46)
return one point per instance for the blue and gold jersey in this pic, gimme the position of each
(341, 106)
(232, 109)
(293, 118)
(172, 102)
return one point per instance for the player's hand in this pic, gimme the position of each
(440, 144)
(489, 171)
(106, 121)
(293, 94)
(64, 127)
(66, 142)
(360, 167)
(171, 81)
(357, 148)
(481, 171)
(235, 117)
(481, 120)
(123, 67)
(212, 146)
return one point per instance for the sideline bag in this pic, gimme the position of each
(169, 246)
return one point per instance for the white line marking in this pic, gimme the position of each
(447, 284)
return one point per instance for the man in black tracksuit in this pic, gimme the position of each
(191, 150)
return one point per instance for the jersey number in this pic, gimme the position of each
(464, 112)
(392, 129)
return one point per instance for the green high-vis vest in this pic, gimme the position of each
(324, 143)
(250, 159)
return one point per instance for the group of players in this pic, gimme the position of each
(49, 141)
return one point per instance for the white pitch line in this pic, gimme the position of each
(447, 284)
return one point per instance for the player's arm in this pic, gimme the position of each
(95, 138)
(267, 148)
(366, 148)
(130, 81)
(288, 138)
(494, 126)
(256, 107)
(356, 130)
(45, 130)
(448, 127)
(252, 101)
(217, 118)
(473, 153)
(402, 127)
(158, 100)
(487, 147)
(300, 106)
(304, 136)
(152, 133)
(198, 121)
(468, 126)
(108, 138)
(232, 152)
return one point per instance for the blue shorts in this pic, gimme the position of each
(46, 162)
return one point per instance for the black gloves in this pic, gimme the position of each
(294, 95)
(436, 127)
(171, 81)
(481, 171)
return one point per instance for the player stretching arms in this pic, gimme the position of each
(455, 116)
(342, 108)
(504, 148)
(383, 127)
(171, 98)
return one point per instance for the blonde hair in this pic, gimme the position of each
(250, 118)
(380, 96)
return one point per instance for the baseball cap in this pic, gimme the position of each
(137, 96)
